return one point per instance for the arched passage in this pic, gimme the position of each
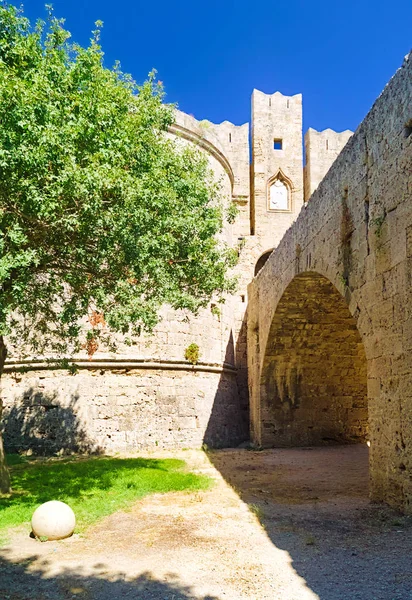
(313, 383)
(262, 261)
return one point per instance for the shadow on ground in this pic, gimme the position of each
(37, 480)
(313, 503)
(70, 584)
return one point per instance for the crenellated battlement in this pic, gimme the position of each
(277, 160)
(321, 150)
(265, 163)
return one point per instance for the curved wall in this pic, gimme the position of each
(122, 409)
(147, 394)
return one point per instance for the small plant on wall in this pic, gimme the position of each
(215, 310)
(192, 353)
(377, 224)
(232, 212)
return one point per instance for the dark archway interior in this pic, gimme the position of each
(313, 385)
(262, 260)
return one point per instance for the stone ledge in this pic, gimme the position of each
(35, 365)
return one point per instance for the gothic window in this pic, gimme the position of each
(279, 195)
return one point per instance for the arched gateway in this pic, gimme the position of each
(313, 379)
(330, 313)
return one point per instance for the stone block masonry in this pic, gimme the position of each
(124, 409)
(314, 375)
(329, 314)
(321, 149)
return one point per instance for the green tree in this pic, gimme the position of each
(102, 214)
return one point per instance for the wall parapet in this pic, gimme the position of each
(321, 150)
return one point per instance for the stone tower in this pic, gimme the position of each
(321, 149)
(277, 156)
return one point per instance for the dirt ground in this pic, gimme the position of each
(279, 524)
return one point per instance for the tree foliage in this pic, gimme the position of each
(101, 212)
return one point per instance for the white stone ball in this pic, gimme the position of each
(54, 520)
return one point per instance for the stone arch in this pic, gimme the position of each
(262, 261)
(281, 200)
(313, 385)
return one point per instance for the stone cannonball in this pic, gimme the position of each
(54, 520)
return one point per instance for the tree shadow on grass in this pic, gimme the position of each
(39, 480)
(28, 581)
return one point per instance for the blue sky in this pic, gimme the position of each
(210, 54)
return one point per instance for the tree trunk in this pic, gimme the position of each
(4, 472)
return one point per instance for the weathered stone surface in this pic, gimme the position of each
(329, 314)
(313, 381)
(321, 149)
(97, 411)
(128, 408)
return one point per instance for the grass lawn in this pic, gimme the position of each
(93, 487)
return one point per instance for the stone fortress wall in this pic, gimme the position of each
(147, 394)
(330, 314)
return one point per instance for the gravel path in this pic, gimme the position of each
(320, 538)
